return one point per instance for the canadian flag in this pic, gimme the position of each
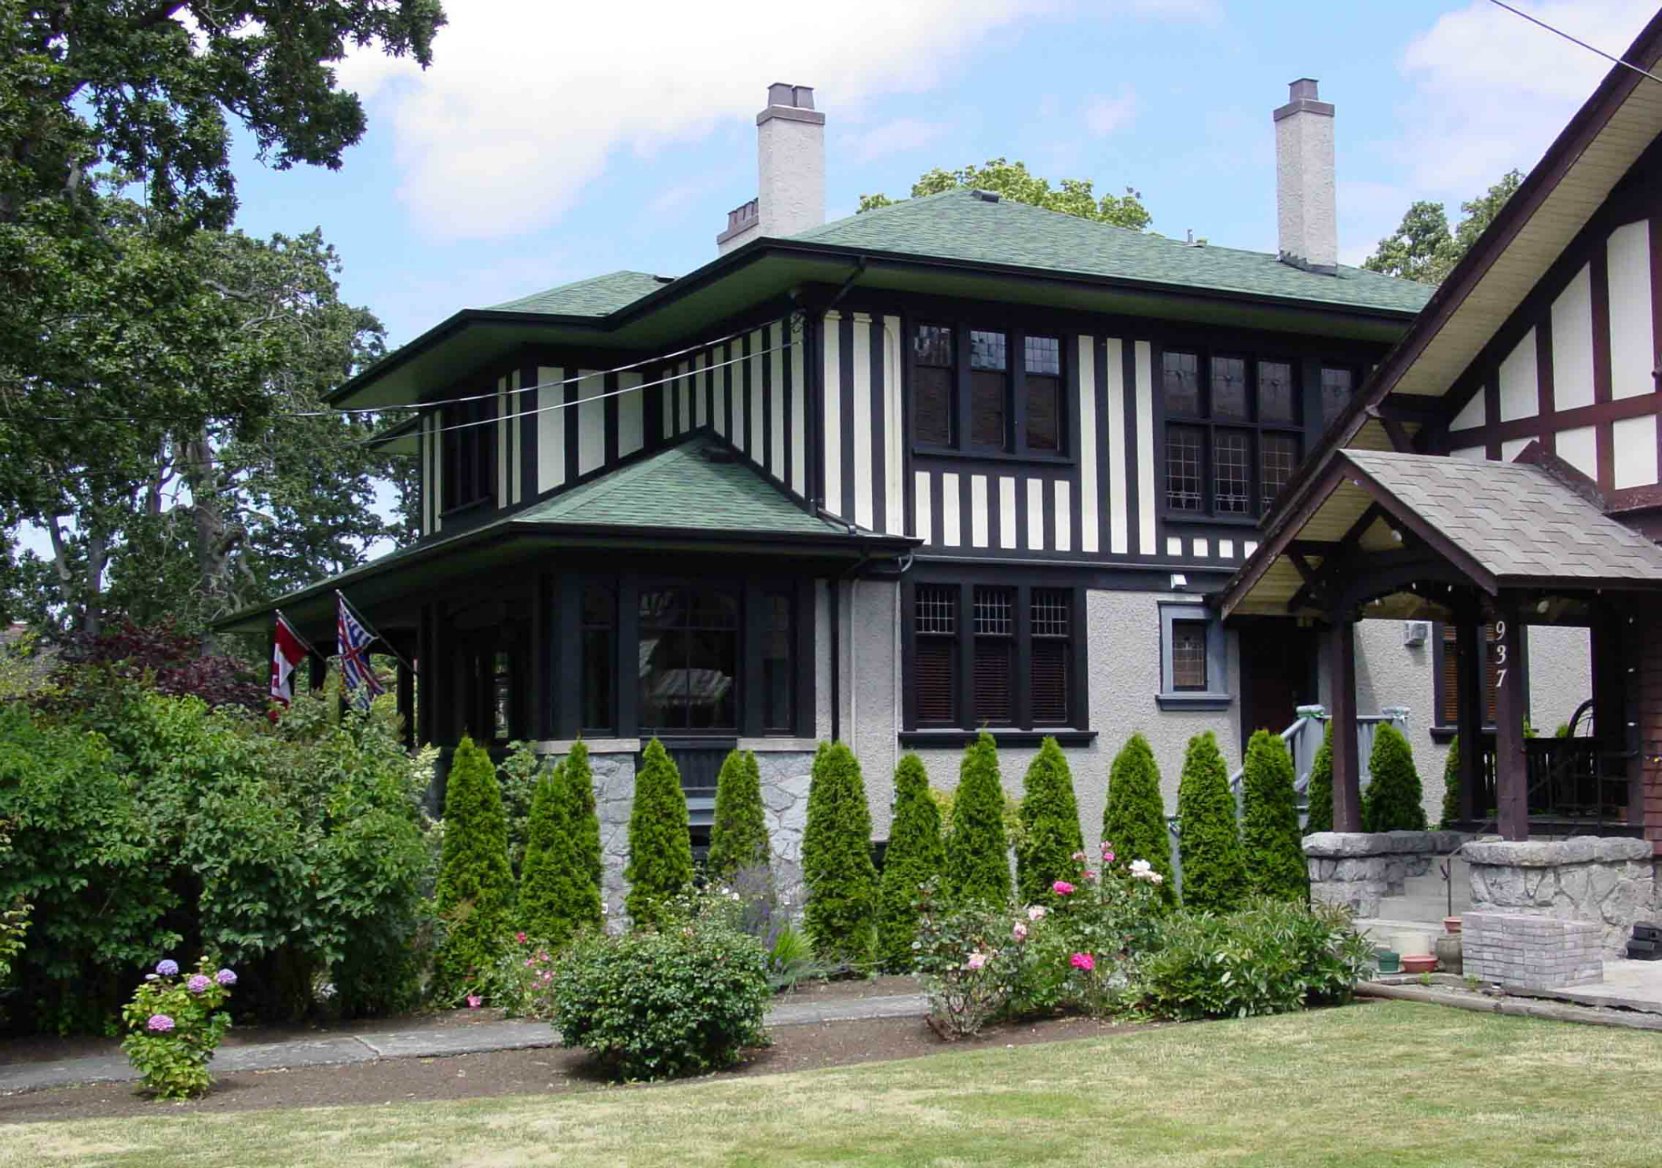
(287, 652)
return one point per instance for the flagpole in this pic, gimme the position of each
(391, 652)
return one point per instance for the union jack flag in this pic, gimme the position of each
(352, 640)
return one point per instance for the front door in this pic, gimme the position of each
(1278, 674)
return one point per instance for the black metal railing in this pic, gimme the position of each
(1570, 781)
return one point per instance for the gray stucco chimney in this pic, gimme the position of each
(1306, 205)
(790, 169)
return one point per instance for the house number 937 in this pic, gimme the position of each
(1500, 653)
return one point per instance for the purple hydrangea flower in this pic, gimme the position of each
(167, 967)
(198, 984)
(160, 1023)
(226, 978)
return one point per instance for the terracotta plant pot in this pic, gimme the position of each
(1418, 963)
(1451, 924)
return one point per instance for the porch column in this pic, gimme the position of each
(317, 671)
(1468, 666)
(1611, 678)
(1347, 775)
(1511, 767)
(406, 698)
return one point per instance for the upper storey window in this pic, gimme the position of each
(1232, 431)
(1338, 383)
(987, 391)
(467, 445)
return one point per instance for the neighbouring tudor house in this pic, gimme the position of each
(960, 462)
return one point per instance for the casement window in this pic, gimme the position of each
(1193, 658)
(689, 658)
(987, 391)
(598, 633)
(1011, 664)
(1338, 383)
(467, 452)
(777, 685)
(1448, 677)
(1232, 432)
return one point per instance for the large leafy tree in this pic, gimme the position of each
(125, 314)
(1013, 181)
(1424, 248)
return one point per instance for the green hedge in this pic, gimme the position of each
(977, 848)
(1134, 819)
(1270, 833)
(915, 856)
(1050, 835)
(559, 893)
(1451, 785)
(1214, 870)
(475, 894)
(739, 835)
(1319, 791)
(1394, 800)
(660, 842)
(840, 916)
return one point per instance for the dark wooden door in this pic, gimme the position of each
(1278, 674)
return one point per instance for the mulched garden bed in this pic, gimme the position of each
(537, 1072)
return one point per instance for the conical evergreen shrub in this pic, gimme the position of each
(1134, 821)
(660, 845)
(1319, 791)
(1270, 834)
(841, 914)
(1050, 835)
(577, 790)
(977, 850)
(475, 892)
(1451, 785)
(739, 836)
(1214, 871)
(914, 856)
(1394, 800)
(557, 899)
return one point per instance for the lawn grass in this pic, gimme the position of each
(1384, 1084)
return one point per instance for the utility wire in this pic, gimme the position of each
(1537, 21)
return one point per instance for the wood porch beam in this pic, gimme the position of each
(1347, 776)
(1511, 766)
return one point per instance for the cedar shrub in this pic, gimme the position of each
(1269, 822)
(840, 916)
(556, 897)
(475, 892)
(1393, 800)
(1050, 835)
(577, 789)
(977, 850)
(1214, 870)
(915, 856)
(1451, 785)
(1134, 821)
(1319, 791)
(739, 836)
(660, 845)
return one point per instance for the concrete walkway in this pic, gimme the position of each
(366, 1046)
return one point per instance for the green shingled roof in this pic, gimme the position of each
(960, 225)
(682, 487)
(596, 296)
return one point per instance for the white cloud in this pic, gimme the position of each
(1104, 115)
(891, 138)
(526, 100)
(1490, 91)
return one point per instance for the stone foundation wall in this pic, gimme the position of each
(1358, 869)
(1531, 952)
(1609, 882)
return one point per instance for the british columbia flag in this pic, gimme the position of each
(353, 639)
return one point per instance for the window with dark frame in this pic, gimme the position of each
(1232, 432)
(934, 375)
(989, 390)
(1042, 391)
(778, 669)
(1338, 383)
(467, 453)
(598, 633)
(1448, 678)
(993, 695)
(1188, 656)
(935, 654)
(1051, 626)
(502, 695)
(689, 657)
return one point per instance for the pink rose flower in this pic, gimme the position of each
(1062, 888)
(520, 937)
(1036, 912)
(976, 960)
(1107, 856)
(474, 1001)
(1083, 961)
(1019, 931)
(1079, 857)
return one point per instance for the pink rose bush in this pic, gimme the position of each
(174, 1026)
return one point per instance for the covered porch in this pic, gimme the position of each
(1488, 548)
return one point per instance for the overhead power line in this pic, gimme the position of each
(1539, 23)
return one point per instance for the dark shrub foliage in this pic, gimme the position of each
(1214, 871)
(1451, 785)
(1050, 835)
(1269, 822)
(161, 657)
(739, 836)
(841, 914)
(660, 845)
(1134, 820)
(1393, 800)
(1320, 789)
(977, 849)
(476, 891)
(914, 857)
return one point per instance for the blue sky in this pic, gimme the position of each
(546, 145)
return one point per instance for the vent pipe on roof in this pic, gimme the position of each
(790, 166)
(1306, 206)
